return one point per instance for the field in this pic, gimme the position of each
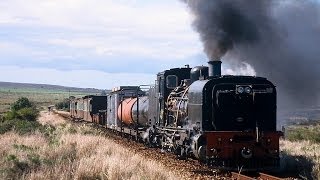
(42, 95)
(61, 150)
(301, 149)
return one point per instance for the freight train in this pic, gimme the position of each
(227, 122)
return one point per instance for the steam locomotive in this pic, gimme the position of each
(227, 122)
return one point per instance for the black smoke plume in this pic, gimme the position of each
(279, 38)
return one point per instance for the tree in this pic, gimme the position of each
(103, 93)
(22, 109)
(21, 103)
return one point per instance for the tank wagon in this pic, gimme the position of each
(228, 122)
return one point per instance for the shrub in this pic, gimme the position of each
(63, 105)
(22, 109)
(21, 118)
(20, 126)
(303, 133)
(21, 103)
(28, 114)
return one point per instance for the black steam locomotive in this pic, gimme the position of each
(225, 121)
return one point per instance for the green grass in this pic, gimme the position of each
(303, 132)
(41, 97)
(22, 127)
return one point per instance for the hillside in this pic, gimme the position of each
(56, 88)
(41, 94)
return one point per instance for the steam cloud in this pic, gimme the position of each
(279, 38)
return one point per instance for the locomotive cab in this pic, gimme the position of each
(166, 82)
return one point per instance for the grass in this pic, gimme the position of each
(21, 127)
(302, 157)
(65, 151)
(301, 150)
(41, 97)
(52, 148)
(304, 132)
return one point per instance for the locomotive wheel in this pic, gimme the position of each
(202, 154)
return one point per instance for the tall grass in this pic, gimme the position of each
(301, 157)
(68, 152)
(304, 132)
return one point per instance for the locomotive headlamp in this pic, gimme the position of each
(247, 89)
(240, 89)
(246, 153)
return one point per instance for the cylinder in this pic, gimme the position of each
(132, 108)
(214, 68)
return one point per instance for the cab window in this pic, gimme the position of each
(172, 81)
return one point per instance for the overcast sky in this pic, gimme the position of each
(95, 43)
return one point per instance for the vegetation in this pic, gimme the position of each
(19, 126)
(21, 118)
(63, 105)
(301, 150)
(66, 151)
(40, 96)
(22, 109)
(303, 132)
(301, 157)
(52, 148)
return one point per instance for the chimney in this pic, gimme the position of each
(214, 68)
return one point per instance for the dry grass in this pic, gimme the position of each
(50, 119)
(68, 152)
(302, 157)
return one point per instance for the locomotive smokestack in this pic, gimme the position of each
(214, 68)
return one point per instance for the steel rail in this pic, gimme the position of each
(259, 176)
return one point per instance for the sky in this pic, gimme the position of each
(97, 43)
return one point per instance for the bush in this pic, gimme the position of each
(22, 109)
(28, 114)
(22, 118)
(304, 133)
(21, 127)
(63, 105)
(21, 103)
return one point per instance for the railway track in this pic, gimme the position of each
(197, 171)
(257, 176)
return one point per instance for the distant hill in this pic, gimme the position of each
(11, 85)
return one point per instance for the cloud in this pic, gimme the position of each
(84, 43)
(102, 35)
(105, 27)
